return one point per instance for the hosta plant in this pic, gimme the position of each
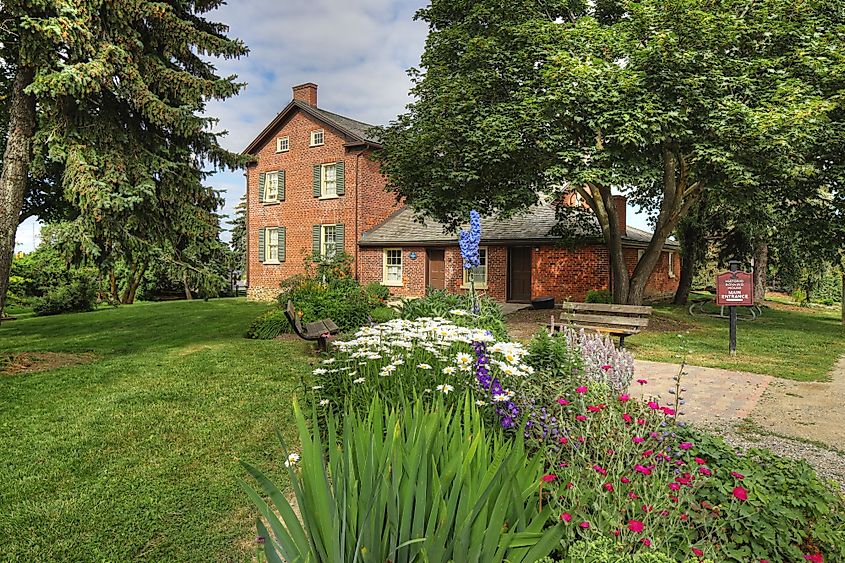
(405, 484)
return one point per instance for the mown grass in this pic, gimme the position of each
(135, 456)
(800, 344)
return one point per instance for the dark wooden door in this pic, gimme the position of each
(436, 268)
(519, 273)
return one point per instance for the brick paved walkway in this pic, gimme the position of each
(712, 395)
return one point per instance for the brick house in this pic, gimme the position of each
(314, 190)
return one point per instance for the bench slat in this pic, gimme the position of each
(580, 318)
(606, 308)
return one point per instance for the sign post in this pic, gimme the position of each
(733, 289)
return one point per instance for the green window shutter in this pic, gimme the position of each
(317, 179)
(261, 235)
(261, 181)
(281, 244)
(340, 176)
(281, 174)
(315, 239)
(338, 237)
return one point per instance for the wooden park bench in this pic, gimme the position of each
(319, 330)
(616, 320)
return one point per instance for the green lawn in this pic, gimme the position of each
(135, 456)
(800, 344)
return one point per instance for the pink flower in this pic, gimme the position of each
(570, 485)
(625, 480)
(585, 525)
(608, 487)
(668, 411)
(642, 381)
(641, 421)
(635, 526)
(740, 493)
(563, 401)
(647, 453)
(596, 408)
(697, 552)
(700, 461)
(600, 469)
(607, 367)
(582, 389)
(737, 475)
(566, 517)
(653, 405)
(646, 542)
(675, 486)
(647, 508)
(624, 398)
(627, 418)
(637, 440)
(685, 445)
(632, 495)
(563, 439)
(581, 418)
(642, 469)
(815, 558)
(548, 478)
(705, 471)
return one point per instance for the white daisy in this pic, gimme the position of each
(320, 371)
(329, 361)
(500, 397)
(463, 359)
(480, 403)
(324, 402)
(449, 370)
(292, 459)
(445, 388)
(359, 380)
(316, 387)
(423, 366)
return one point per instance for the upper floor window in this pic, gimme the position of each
(317, 137)
(282, 144)
(671, 264)
(271, 187)
(328, 180)
(479, 273)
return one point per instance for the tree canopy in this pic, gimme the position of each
(663, 101)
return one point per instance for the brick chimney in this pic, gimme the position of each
(307, 93)
(621, 203)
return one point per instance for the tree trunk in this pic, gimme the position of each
(115, 294)
(16, 161)
(843, 295)
(761, 266)
(130, 279)
(133, 286)
(188, 295)
(693, 248)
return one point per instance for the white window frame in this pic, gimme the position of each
(640, 253)
(384, 274)
(671, 264)
(324, 191)
(314, 134)
(271, 177)
(324, 240)
(269, 233)
(283, 141)
(479, 283)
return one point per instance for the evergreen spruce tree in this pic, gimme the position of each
(114, 93)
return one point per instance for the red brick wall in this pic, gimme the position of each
(660, 283)
(300, 209)
(568, 274)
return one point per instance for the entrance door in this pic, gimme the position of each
(519, 273)
(435, 272)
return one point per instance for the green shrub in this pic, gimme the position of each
(473, 494)
(603, 550)
(269, 325)
(599, 296)
(383, 314)
(377, 293)
(800, 297)
(553, 357)
(441, 303)
(76, 295)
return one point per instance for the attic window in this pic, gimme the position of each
(317, 138)
(282, 144)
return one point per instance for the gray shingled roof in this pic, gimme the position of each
(353, 126)
(534, 225)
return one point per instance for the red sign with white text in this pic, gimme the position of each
(734, 288)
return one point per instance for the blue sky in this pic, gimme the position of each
(357, 51)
